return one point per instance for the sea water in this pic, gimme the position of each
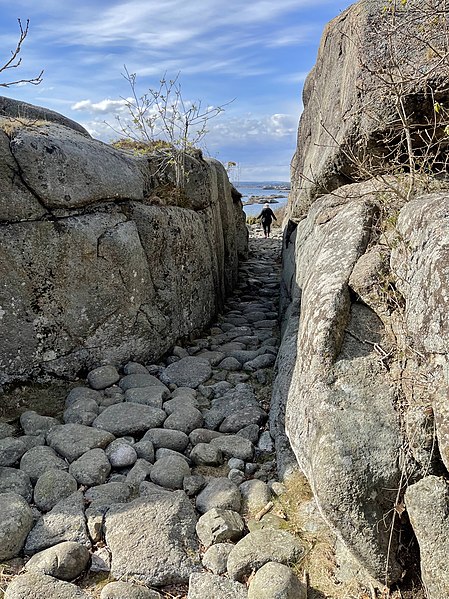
(251, 188)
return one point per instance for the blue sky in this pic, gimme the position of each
(254, 52)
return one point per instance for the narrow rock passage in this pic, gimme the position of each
(164, 473)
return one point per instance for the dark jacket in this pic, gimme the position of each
(267, 216)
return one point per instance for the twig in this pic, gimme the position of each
(264, 511)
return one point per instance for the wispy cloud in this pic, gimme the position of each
(106, 106)
(258, 52)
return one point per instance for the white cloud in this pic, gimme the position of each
(106, 106)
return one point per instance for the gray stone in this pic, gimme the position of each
(256, 494)
(121, 453)
(51, 487)
(179, 402)
(92, 468)
(78, 393)
(16, 521)
(135, 368)
(148, 396)
(32, 440)
(213, 357)
(241, 418)
(163, 452)
(145, 450)
(269, 520)
(72, 440)
(111, 400)
(169, 472)
(129, 418)
(250, 468)
(210, 585)
(265, 443)
(154, 538)
(65, 561)
(216, 557)
(262, 361)
(122, 590)
(83, 404)
(133, 381)
(203, 435)
(13, 480)
(34, 424)
(147, 488)
(11, 450)
(102, 377)
(265, 324)
(426, 503)
(230, 364)
(206, 455)
(102, 496)
(276, 580)
(260, 547)
(188, 372)
(6, 430)
(38, 460)
(184, 392)
(76, 415)
(236, 476)
(100, 560)
(236, 464)
(170, 439)
(184, 419)
(250, 432)
(138, 473)
(193, 484)
(65, 522)
(180, 352)
(219, 493)
(34, 585)
(219, 525)
(234, 446)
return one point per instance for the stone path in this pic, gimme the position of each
(159, 476)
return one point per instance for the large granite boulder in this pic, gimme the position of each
(102, 259)
(372, 58)
(340, 416)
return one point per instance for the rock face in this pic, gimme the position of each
(348, 112)
(98, 264)
(427, 503)
(362, 368)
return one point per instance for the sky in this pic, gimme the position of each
(251, 57)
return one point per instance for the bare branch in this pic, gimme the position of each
(15, 61)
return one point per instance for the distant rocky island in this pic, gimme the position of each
(281, 187)
(272, 199)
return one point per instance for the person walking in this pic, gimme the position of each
(266, 216)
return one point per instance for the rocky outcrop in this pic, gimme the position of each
(361, 389)
(350, 122)
(102, 258)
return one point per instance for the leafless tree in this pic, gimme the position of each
(15, 60)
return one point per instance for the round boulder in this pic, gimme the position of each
(16, 521)
(65, 561)
(276, 580)
(51, 487)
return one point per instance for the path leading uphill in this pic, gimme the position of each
(159, 479)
